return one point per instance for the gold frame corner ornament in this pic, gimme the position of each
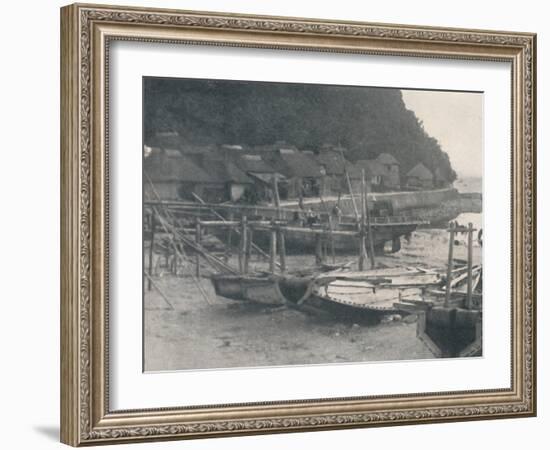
(86, 31)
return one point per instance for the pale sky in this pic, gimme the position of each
(455, 119)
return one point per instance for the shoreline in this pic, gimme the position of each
(239, 334)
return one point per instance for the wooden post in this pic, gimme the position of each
(198, 232)
(331, 228)
(369, 228)
(362, 255)
(318, 250)
(272, 250)
(248, 249)
(229, 236)
(280, 234)
(450, 264)
(153, 224)
(349, 185)
(276, 197)
(282, 251)
(242, 246)
(470, 264)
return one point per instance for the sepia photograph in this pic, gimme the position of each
(294, 224)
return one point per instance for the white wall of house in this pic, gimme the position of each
(236, 191)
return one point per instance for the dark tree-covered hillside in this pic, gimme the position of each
(366, 121)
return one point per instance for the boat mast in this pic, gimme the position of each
(362, 232)
(349, 185)
(280, 234)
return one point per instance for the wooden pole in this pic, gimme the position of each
(331, 242)
(272, 250)
(159, 290)
(177, 251)
(153, 225)
(276, 197)
(332, 251)
(470, 264)
(171, 230)
(198, 232)
(318, 249)
(248, 249)
(280, 234)
(362, 255)
(450, 264)
(242, 247)
(282, 251)
(369, 228)
(349, 186)
(231, 216)
(229, 236)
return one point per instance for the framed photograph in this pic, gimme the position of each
(273, 224)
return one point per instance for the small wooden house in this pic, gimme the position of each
(261, 173)
(420, 177)
(235, 181)
(302, 171)
(387, 167)
(355, 171)
(333, 169)
(168, 175)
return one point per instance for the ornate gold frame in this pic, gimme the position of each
(86, 31)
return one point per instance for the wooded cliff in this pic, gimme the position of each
(365, 120)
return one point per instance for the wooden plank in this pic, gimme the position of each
(409, 308)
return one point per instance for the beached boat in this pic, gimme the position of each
(268, 288)
(369, 295)
(358, 296)
(343, 237)
(260, 288)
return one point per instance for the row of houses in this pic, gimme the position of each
(235, 173)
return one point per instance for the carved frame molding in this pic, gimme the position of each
(86, 32)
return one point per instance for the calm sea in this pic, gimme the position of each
(469, 184)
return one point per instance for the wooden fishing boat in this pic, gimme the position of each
(451, 325)
(259, 288)
(367, 296)
(268, 288)
(343, 238)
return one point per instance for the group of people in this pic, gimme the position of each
(310, 217)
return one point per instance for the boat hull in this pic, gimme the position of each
(300, 242)
(347, 312)
(264, 290)
(367, 296)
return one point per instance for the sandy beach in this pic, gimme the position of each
(205, 332)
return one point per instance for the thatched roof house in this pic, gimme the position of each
(331, 160)
(379, 176)
(293, 163)
(233, 178)
(301, 170)
(170, 173)
(420, 176)
(387, 159)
